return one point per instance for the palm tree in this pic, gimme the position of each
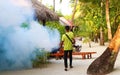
(74, 10)
(108, 21)
(87, 40)
(105, 63)
(101, 27)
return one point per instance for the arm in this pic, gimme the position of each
(62, 41)
(73, 41)
(61, 47)
(61, 44)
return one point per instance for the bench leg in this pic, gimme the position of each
(90, 55)
(83, 56)
(58, 57)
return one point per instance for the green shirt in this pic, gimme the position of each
(66, 42)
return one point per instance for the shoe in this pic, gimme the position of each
(65, 69)
(71, 66)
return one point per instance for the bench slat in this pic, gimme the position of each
(84, 55)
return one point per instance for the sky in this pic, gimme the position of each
(64, 7)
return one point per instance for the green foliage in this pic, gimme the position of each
(114, 11)
(92, 1)
(59, 13)
(41, 56)
(56, 25)
(86, 40)
(25, 25)
(90, 19)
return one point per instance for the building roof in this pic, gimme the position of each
(44, 13)
(65, 22)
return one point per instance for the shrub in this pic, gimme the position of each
(40, 58)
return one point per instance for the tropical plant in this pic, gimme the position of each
(56, 25)
(87, 40)
(105, 62)
(41, 57)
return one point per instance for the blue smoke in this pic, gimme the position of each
(17, 43)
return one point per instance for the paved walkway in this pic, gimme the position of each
(55, 67)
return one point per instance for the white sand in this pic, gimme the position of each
(56, 67)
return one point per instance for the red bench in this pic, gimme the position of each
(57, 55)
(85, 55)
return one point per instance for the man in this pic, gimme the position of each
(67, 39)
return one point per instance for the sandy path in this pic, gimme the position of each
(56, 66)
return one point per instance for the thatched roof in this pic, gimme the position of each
(65, 22)
(43, 13)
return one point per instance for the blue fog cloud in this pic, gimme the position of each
(17, 44)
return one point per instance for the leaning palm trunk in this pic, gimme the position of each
(105, 63)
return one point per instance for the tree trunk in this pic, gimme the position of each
(74, 10)
(43, 22)
(101, 27)
(115, 23)
(108, 21)
(101, 36)
(105, 63)
(54, 5)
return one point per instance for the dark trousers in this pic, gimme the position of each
(66, 54)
